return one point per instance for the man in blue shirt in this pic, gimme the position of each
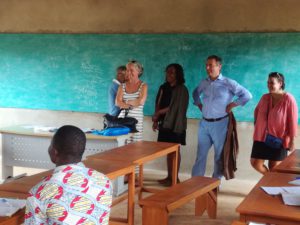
(214, 96)
(113, 89)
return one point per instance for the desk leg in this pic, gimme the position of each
(121, 141)
(212, 203)
(131, 192)
(243, 218)
(200, 205)
(154, 216)
(141, 180)
(6, 171)
(175, 166)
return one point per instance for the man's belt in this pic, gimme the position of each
(214, 119)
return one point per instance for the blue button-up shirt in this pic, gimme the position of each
(112, 93)
(216, 95)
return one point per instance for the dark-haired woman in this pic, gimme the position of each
(276, 114)
(170, 113)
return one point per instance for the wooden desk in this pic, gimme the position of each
(258, 206)
(140, 153)
(290, 164)
(24, 147)
(17, 218)
(111, 170)
(24, 184)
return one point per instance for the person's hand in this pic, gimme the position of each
(230, 106)
(155, 117)
(128, 105)
(291, 146)
(155, 126)
(200, 106)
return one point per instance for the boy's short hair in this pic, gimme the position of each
(69, 141)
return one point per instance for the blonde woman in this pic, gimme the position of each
(132, 95)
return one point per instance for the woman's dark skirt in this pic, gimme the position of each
(261, 151)
(167, 135)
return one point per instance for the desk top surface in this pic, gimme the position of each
(290, 164)
(138, 152)
(259, 203)
(111, 170)
(8, 194)
(29, 131)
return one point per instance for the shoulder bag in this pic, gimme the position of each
(110, 121)
(272, 141)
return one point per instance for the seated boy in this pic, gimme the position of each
(73, 194)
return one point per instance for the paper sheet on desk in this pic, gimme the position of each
(290, 195)
(88, 130)
(291, 199)
(295, 182)
(10, 206)
(279, 190)
(37, 128)
(44, 129)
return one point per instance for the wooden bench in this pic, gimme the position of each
(236, 222)
(155, 208)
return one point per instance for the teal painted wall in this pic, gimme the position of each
(73, 71)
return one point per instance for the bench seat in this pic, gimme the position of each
(155, 208)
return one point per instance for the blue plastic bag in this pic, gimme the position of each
(112, 131)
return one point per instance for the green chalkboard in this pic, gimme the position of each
(73, 71)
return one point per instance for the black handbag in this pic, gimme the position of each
(110, 121)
